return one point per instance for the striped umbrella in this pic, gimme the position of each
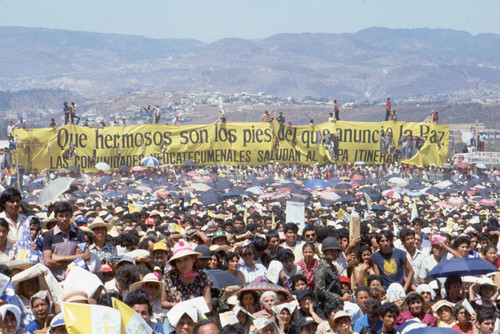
(150, 161)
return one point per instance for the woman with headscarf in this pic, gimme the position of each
(40, 306)
(11, 316)
(284, 317)
(414, 306)
(184, 281)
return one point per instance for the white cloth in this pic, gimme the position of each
(14, 232)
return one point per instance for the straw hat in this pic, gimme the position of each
(483, 282)
(149, 278)
(98, 222)
(182, 249)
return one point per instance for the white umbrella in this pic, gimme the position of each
(200, 186)
(256, 190)
(398, 181)
(481, 166)
(102, 166)
(54, 189)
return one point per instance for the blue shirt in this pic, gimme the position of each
(32, 327)
(391, 266)
(365, 322)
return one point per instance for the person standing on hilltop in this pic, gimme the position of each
(388, 109)
(337, 110)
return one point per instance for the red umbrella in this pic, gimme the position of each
(137, 169)
(357, 178)
(264, 286)
(455, 201)
(487, 202)
(161, 193)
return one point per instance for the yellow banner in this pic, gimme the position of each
(234, 144)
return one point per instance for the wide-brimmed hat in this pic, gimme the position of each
(341, 314)
(183, 249)
(484, 281)
(149, 278)
(441, 304)
(48, 220)
(99, 222)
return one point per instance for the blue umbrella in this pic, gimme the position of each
(431, 330)
(222, 278)
(463, 266)
(316, 184)
(150, 161)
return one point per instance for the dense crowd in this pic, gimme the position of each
(211, 250)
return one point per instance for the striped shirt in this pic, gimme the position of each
(251, 275)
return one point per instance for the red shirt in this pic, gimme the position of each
(388, 105)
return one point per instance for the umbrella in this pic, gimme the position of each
(343, 186)
(222, 278)
(347, 198)
(431, 330)
(392, 194)
(463, 266)
(414, 193)
(193, 173)
(462, 164)
(210, 197)
(329, 196)
(487, 202)
(124, 168)
(74, 169)
(150, 161)
(333, 182)
(200, 186)
(223, 184)
(481, 166)
(356, 178)
(189, 163)
(137, 169)
(398, 181)
(455, 201)
(316, 184)
(161, 193)
(264, 286)
(102, 166)
(256, 190)
(377, 207)
(55, 189)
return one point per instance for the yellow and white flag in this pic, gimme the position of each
(91, 319)
(132, 322)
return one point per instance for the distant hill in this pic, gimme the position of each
(428, 64)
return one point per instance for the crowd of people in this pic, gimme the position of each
(234, 263)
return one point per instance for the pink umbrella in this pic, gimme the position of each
(357, 178)
(279, 194)
(206, 178)
(455, 201)
(329, 196)
(137, 169)
(392, 194)
(193, 173)
(161, 193)
(462, 164)
(487, 202)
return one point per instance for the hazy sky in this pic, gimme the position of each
(209, 20)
